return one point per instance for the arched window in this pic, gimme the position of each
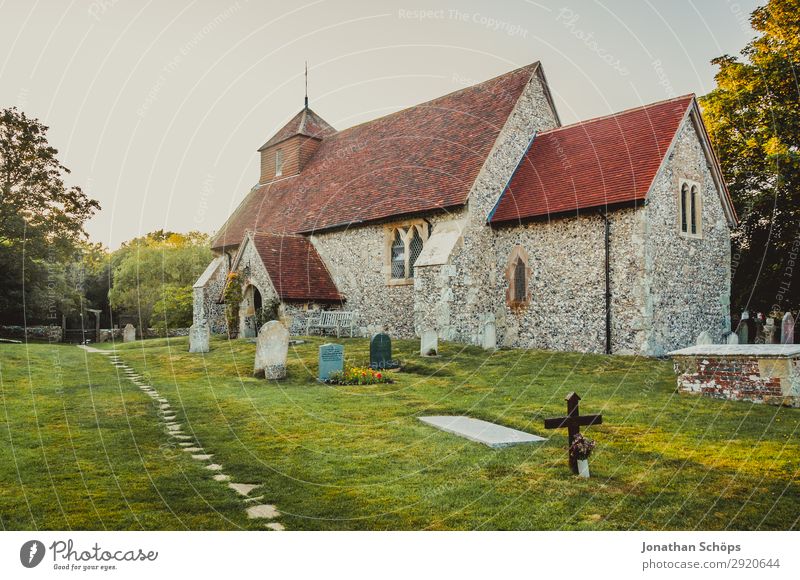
(520, 281)
(398, 256)
(414, 250)
(404, 244)
(517, 275)
(690, 209)
(684, 206)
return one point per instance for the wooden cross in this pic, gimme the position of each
(573, 422)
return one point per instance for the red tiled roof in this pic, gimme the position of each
(418, 159)
(604, 161)
(295, 268)
(307, 123)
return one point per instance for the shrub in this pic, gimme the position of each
(357, 376)
(233, 299)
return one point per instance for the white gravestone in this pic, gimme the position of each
(199, 337)
(429, 343)
(770, 331)
(272, 348)
(129, 333)
(489, 335)
(787, 329)
(704, 338)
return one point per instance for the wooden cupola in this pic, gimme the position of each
(288, 151)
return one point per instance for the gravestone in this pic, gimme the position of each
(331, 359)
(704, 338)
(743, 330)
(758, 336)
(199, 337)
(770, 331)
(129, 333)
(380, 351)
(489, 335)
(429, 343)
(732, 338)
(787, 329)
(272, 347)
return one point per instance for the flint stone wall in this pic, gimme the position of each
(356, 261)
(205, 298)
(567, 283)
(687, 280)
(458, 298)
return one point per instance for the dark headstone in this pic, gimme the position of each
(380, 351)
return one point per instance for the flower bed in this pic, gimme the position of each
(358, 376)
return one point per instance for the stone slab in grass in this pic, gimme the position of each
(262, 511)
(222, 477)
(490, 434)
(242, 488)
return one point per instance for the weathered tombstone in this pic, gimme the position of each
(199, 337)
(770, 331)
(704, 338)
(757, 336)
(489, 335)
(380, 351)
(272, 347)
(429, 343)
(331, 359)
(732, 338)
(787, 329)
(743, 330)
(129, 334)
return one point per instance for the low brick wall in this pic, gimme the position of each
(762, 375)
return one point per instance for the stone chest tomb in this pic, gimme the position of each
(760, 373)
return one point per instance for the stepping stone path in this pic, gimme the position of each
(242, 488)
(189, 444)
(262, 511)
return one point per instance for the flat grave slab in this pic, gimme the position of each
(490, 434)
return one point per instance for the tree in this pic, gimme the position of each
(753, 119)
(41, 220)
(160, 267)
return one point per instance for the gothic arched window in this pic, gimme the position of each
(690, 209)
(398, 256)
(518, 274)
(684, 207)
(520, 281)
(404, 244)
(414, 250)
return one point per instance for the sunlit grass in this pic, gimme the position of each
(350, 457)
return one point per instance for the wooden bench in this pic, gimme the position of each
(331, 319)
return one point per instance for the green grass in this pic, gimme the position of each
(82, 448)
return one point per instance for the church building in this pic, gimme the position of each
(477, 215)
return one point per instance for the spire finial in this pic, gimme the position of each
(306, 84)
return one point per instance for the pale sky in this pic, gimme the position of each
(158, 107)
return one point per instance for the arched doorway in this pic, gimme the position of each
(252, 302)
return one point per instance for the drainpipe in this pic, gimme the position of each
(607, 235)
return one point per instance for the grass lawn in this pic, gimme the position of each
(83, 448)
